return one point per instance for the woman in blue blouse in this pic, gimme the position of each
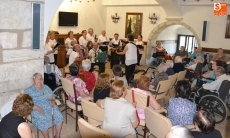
(43, 99)
(181, 110)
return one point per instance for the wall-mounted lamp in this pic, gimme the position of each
(115, 18)
(153, 18)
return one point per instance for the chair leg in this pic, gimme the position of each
(144, 131)
(66, 113)
(76, 120)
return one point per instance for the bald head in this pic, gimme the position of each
(103, 32)
(90, 31)
(76, 48)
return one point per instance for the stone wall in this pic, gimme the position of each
(18, 62)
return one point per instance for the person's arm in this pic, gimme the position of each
(186, 55)
(153, 102)
(99, 41)
(123, 52)
(39, 109)
(226, 58)
(25, 131)
(81, 43)
(206, 75)
(212, 86)
(133, 118)
(214, 57)
(100, 103)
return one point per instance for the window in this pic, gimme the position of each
(189, 41)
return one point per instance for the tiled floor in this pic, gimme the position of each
(68, 130)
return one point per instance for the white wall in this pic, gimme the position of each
(215, 38)
(90, 15)
(119, 27)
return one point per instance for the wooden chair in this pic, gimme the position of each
(66, 69)
(171, 93)
(86, 130)
(162, 89)
(94, 113)
(69, 89)
(157, 124)
(181, 75)
(142, 102)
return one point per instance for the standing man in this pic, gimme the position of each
(130, 52)
(103, 41)
(89, 36)
(114, 44)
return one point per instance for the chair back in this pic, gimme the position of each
(174, 79)
(89, 131)
(68, 87)
(157, 124)
(181, 75)
(91, 110)
(163, 88)
(224, 90)
(141, 99)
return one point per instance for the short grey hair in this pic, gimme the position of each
(46, 60)
(36, 74)
(180, 132)
(200, 59)
(178, 59)
(86, 64)
(163, 67)
(90, 29)
(169, 63)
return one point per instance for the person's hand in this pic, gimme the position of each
(134, 104)
(40, 110)
(52, 100)
(52, 46)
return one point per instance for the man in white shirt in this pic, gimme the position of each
(74, 54)
(114, 44)
(93, 53)
(213, 87)
(102, 40)
(90, 36)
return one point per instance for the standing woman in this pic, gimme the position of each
(83, 42)
(130, 52)
(68, 42)
(48, 50)
(52, 43)
(141, 50)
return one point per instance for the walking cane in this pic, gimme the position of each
(52, 121)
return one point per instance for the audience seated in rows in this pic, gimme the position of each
(169, 70)
(88, 77)
(178, 65)
(117, 72)
(143, 87)
(13, 125)
(80, 86)
(204, 123)
(102, 88)
(120, 117)
(44, 101)
(179, 132)
(52, 68)
(180, 109)
(162, 75)
(220, 56)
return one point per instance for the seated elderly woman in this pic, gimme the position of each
(52, 68)
(197, 60)
(120, 116)
(204, 123)
(169, 70)
(162, 75)
(143, 87)
(102, 88)
(220, 56)
(179, 132)
(44, 101)
(80, 86)
(88, 77)
(181, 110)
(13, 125)
(178, 65)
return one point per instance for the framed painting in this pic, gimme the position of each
(133, 24)
(227, 31)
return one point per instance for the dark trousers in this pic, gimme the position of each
(101, 67)
(55, 59)
(139, 59)
(129, 72)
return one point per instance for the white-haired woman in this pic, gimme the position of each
(197, 60)
(170, 70)
(178, 66)
(88, 77)
(162, 75)
(179, 132)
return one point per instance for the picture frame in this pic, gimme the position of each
(227, 31)
(133, 24)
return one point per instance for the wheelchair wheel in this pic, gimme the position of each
(214, 105)
(60, 95)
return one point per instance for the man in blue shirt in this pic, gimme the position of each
(197, 53)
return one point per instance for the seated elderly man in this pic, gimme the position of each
(213, 87)
(198, 53)
(220, 56)
(182, 53)
(162, 75)
(52, 68)
(179, 132)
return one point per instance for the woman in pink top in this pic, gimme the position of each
(142, 87)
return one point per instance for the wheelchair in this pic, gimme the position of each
(50, 81)
(217, 103)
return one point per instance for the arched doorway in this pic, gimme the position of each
(159, 28)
